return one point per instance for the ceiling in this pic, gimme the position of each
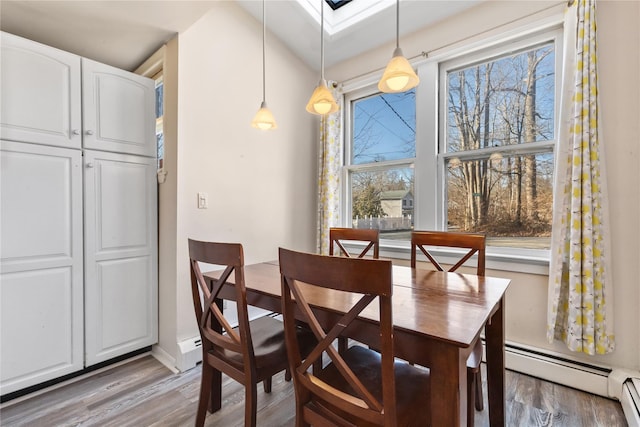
(125, 33)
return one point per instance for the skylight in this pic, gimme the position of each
(336, 4)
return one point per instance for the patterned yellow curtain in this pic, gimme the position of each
(329, 166)
(580, 288)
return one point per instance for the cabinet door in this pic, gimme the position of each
(41, 283)
(118, 110)
(40, 96)
(121, 313)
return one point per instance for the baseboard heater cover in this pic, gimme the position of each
(189, 353)
(557, 369)
(630, 401)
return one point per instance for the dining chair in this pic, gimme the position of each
(472, 243)
(360, 387)
(251, 352)
(339, 235)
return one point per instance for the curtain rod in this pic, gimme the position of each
(425, 54)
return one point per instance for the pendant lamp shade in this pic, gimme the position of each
(264, 119)
(322, 101)
(399, 75)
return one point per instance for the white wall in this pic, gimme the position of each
(261, 185)
(619, 71)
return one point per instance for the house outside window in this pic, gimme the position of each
(473, 145)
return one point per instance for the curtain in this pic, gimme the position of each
(329, 168)
(580, 289)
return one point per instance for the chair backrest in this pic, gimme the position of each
(215, 330)
(302, 275)
(474, 242)
(339, 235)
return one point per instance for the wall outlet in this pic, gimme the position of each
(203, 201)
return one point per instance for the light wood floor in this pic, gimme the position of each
(145, 393)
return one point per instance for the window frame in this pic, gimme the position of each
(347, 167)
(429, 163)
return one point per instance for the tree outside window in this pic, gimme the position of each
(471, 149)
(498, 180)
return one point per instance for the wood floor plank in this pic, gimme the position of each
(145, 393)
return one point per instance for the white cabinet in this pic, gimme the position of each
(78, 205)
(41, 280)
(118, 110)
(40, 93)
(120, 251)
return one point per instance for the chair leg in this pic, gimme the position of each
(205, 392)
(266, 385)
(343, 345)
(478, 382)
(287, 375)
(471, 413)
(215, 385)
(250, 404)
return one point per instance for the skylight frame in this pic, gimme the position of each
(337, 4)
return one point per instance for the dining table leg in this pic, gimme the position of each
(448, 385)
(494, 333)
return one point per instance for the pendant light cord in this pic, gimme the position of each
(264, 35)
(322, 40)
(397, 24)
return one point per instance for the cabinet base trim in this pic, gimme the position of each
(28, 392)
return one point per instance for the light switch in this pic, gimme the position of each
(203, 201)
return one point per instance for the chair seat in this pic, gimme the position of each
(269, 346)
(412, 384)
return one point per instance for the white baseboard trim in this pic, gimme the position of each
(165, 358)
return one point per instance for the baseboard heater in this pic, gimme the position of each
(619, 384)
(630, 401)
(190, 350)
(558, 369)
(189, 353)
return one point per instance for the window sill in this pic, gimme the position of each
(533, 261)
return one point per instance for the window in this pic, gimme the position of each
(380, 163)
(336, 4)
(496, 146)
(471, 148)
(159, 116)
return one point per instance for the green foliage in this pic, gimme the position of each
(366, 202)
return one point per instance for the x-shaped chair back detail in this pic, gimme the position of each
(208, 312)
(339, 235)
(474, 242)
(302, 276)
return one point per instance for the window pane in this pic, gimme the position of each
(383, 199)
(509, 198)
(506, 101)
(159, 120)
(384, 128)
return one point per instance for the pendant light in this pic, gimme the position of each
(399, 75)
(321, 101)
(264, 119)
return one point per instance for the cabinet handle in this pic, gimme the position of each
(76, 132)
(89, 132)
(89, 165)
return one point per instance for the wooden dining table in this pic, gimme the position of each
(437, 317)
